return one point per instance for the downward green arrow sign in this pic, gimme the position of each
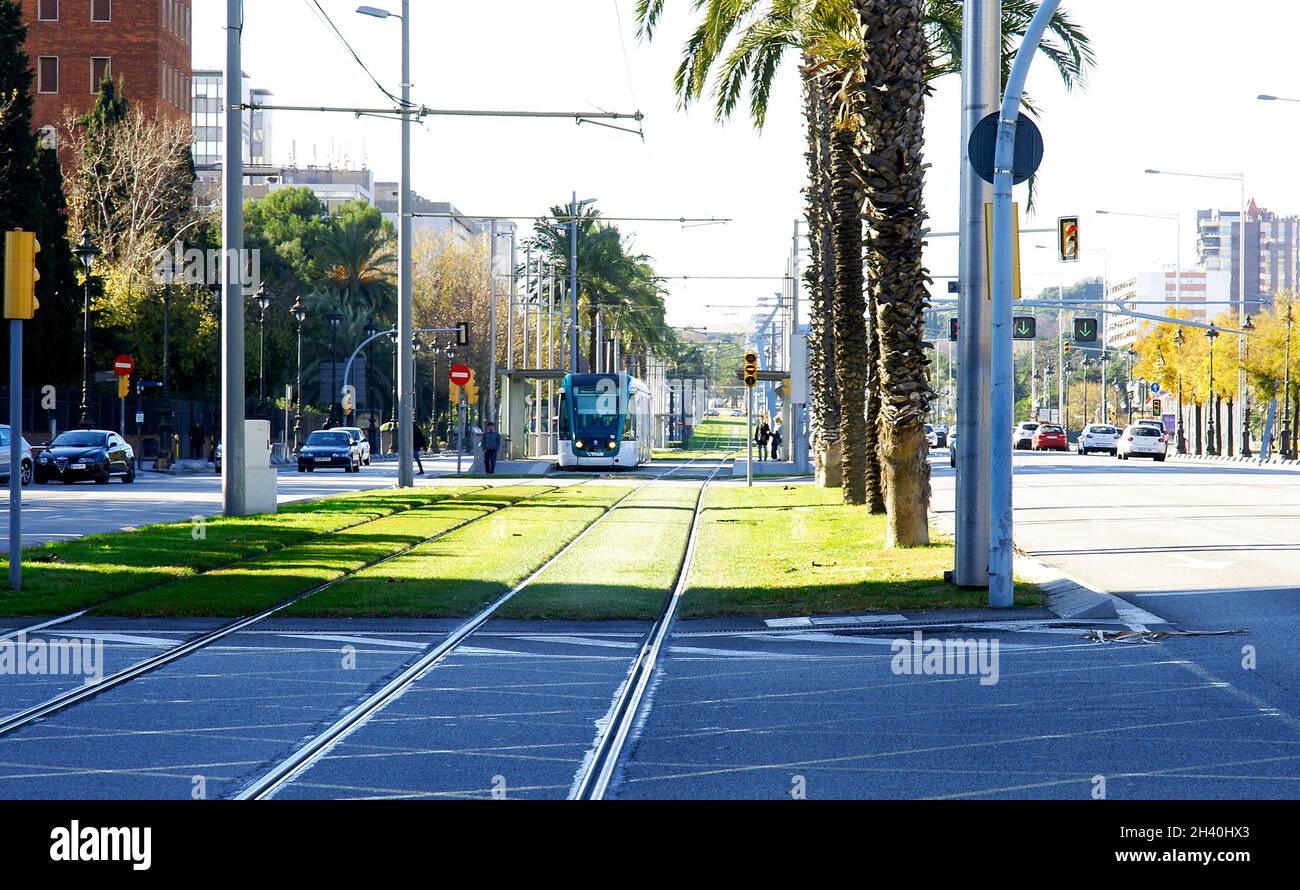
(1023, 328)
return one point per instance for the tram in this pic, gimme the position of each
(605, 420)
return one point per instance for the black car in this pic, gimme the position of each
(329, 448)
(86, 454)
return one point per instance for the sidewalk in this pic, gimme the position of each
(765, 468)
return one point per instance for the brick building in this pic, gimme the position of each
(143, 44)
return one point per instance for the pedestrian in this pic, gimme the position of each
(491, 444)
(776, 442)
(761, 437)
(196, 441)
(421, 443)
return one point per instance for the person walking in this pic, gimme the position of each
(491, 444)
(776, 442)
(761, 437)
(421, 443)
(196, 441)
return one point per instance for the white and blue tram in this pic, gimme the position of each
(605, 420)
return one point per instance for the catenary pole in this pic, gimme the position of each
(233, 492)
(1002, 395)
(405, 302)
(981, 78)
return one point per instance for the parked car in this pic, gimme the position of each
(1049, 437)
(1098, 437)
(329, 448)
(25, 468)
(1023, 435)
(86, 454)
(952, 450)
(941, 436)
(931, 436)
(1143, 440)
(361, 439)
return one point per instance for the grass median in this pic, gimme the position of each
(623, 569)
(257, 584)
(70, 575)
(457, 575)
(776, 550)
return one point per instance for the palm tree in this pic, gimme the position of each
(358, 261)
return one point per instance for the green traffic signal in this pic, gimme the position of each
(1024, 327)
(1085, 330)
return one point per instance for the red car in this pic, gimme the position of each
(1050, 437)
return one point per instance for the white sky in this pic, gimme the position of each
(1174, 89)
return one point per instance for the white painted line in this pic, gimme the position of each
(789, 622)
(116, 638)
(363, 641)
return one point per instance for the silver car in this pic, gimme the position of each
(25, 473)
(1143, 440)
(361, 439)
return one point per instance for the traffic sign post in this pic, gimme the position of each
(459, 375)
(123, 365)
(982, 148)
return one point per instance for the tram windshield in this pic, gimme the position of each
(595, 410)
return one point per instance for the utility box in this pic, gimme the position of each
(259, 476)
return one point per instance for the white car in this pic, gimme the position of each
(1023, 435)
(1143, 440)
(931, 436)
(363, 441)
(25, 465)
(1098, 437)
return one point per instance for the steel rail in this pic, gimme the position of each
(72, 697)
(302, 759)
(597, 771)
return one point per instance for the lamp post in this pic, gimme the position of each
(86, 252)
(300, 315)
(1288, 445)
(1087, 363)
(1179, 340)
(1129, 397)
(371, 431)
(415, 380)
(165, 421)
(1047, 383)
(335, 318)
(263, 301)
(1211, 334)
(1244, 405)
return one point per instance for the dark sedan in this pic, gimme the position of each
(329, 448)
(86, 454)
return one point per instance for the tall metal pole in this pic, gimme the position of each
(86, 422)
(573, 285)
(1241, 323)
(492, 327)
(405, 303)
(981, 79)
(1002, 399)
(232, 297)
(297, 396)
(16, 454)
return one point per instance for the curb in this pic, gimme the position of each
(1235, 460)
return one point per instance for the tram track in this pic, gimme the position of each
(75, 696)
(302, 759)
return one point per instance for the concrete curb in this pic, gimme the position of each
(1215, 460)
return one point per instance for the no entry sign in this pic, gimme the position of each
(459, 374)
(123, 366)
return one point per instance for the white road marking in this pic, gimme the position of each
(363, 641)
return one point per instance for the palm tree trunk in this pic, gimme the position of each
(819, 278)
(851, 355)
(894, 176)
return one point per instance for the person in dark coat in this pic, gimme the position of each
(196, 441)
(776, 443)
(491, 444)
(421, 443)
(761, 437)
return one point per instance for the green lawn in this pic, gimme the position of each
(459, 574)
(71, 575)
(624, 568)
(259, 583)
(778, 550)
(711, 438)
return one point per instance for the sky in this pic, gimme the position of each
(1174, 88)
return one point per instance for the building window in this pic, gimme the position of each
(99, 70)
(48, 10)
(101, 10)
(47, 74)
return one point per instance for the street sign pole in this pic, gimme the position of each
(749, 416)
(16, 454)
(1002, 400)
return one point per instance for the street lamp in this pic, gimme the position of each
(86, 252)
(1240, 179)
(1288, 445)
(371, 432)
(1087, 363)
(300, 315)
(263, 299)
(1211, 334)
(335, 318)
(165, 421)
(1179, 340)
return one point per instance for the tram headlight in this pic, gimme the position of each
(612, 445)
(578, 444)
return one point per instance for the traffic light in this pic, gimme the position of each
(1085, 330)
(1065, 347)
(453, 394)
(952, 329)
(751, 368)
(1067, 230)
(462, 333)
(123, 386)
(1155, 406)
(20, 274)
(1024, 327)
(471, 389)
